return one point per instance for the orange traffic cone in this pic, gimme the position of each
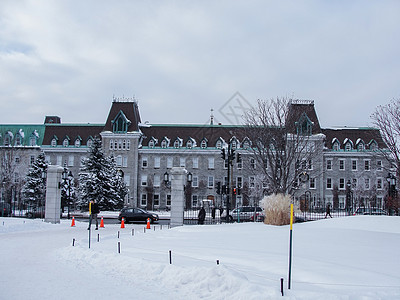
(102, 223)
(148, 223)
(123, 223)
(73, 222)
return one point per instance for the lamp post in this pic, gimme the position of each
(348, 196)
(391, 179)
(228, 155)
(68, 178)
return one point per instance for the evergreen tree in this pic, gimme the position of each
(98, 180)
(34, 189)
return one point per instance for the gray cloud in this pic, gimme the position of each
(180, 59)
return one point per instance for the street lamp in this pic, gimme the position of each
(68, 178)
(348, 196)
(391, 179)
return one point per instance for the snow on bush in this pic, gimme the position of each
(277, 209)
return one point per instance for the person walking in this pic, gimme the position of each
(93, 211)
(328, 211)
(202, 215)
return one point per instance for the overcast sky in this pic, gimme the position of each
(179, 59)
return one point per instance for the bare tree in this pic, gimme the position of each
(280, 134)
(387, 119)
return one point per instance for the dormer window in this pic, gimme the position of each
(151, 143)
(304, 125)
(178, 143)
(203, 144)
(373, 146)
(189, 144)
(246, 144)
(361, 147)
(77, 142)
(89, 142)
(234, 144)
(164, 144)
(218, 144)
(66, 142)
(33, 138)
(54, 141)
(348, 147)
(8, 138)
(18, 140)
(335, 145)
(120, 123)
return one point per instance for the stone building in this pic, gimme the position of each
(346, 159)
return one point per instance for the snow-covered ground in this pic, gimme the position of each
(342, 258)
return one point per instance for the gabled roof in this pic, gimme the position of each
(297, 109)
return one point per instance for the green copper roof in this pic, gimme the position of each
(24, 131)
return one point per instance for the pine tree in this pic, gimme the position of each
(98, 180)
(34, 189)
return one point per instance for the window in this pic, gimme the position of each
(379, 165)
(366, 183)
(252, 163)
(119, 161)
(354, 183)
(218, 145)
(329, 183)
(144, 180)
(151, 144)
(336, 146)
(128, 145)
(348, 147)
(342, 164)
(177, 143)
(168, 199)
(144, 162)
(111, 144)
(124, 161)
(195, 162)
(379, 183)
(310, 166)
(7, 139)
(16, 178)
(119, 144)
(182, 162)
(65, 142)
(33, 159)
(251, 182)
(157, 161)
(203, 144)
(115, 144)
(210, 181)
(127, 179)
(17, 160)
(195, 200)
(312, 183)
(240, 164)
(59, 160)
(195, 181)
(123, 144)
(239, 182)
(156, 180)
(354, 165)
(329, 164)
(164, 144)
(189, 144)
(156, 199)
(367, 165)
(360, 146)
(70, 161)
(143, 201)
(211, 162)
(342, 185)
(170, 161)
(77, 143)
(32, 140)
(54, 142)
(89, 142)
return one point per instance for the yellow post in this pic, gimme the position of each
(90, 208)
(290, 247)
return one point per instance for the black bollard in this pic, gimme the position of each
(119, 247)
(282, 286)
(170, 257)
(73, 242)
(217, 261)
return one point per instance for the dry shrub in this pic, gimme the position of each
(277, 209)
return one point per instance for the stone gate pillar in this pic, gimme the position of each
(178, 181)
(53, 194)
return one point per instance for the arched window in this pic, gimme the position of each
(203, 144)
(54, 142)
(164, 144)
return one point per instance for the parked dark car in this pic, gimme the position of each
(137, 215)
(5, 209)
